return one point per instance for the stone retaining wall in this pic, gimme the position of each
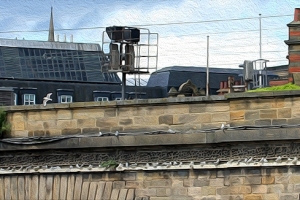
(248, 183)
(185, 114)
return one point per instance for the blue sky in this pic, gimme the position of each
(182, 25)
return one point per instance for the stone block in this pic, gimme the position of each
(263, 122)
(223, 191)
(124, 112)
(118, 184)
(251, 114)
(163, 192)
(277, 188)
(177, 183)
(294, 179)
(271, 196)
(194, 191)
(288, 196)
(34, 125)
(201, 182)
(268, 114)
(18, 126)
(186, 119)
(86, 123)
(39, 133)
(106, 122)
(129, 176)
(53, 132)
(237, 115)
(259, 189)
(177, 109)
(188, 182)
(217, 182)
(284, 113)
(88, 113)
(255, 104)
(134, 184)
(166, 119)
(282, 179)
(267, 180)
(64, 114)
(208, 190)
(18, 117)
(62, 124)
(146, 120)
(253, 197)
(68, 131)
(239, 104)
(50, 124)
(145, 192)
(252, 180)
(161, 183)
(179, 191)
(110, 112)
(33, 116)
(236, 180)
(220, 117)
(48, 115)
(240, 190)
(90, 130)
(125, 122)
(279, 121)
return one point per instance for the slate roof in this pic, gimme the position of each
(176, 75)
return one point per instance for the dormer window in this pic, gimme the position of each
(28, 99)
(65, 99)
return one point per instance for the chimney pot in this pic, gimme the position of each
(297, 14)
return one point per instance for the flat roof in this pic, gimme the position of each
(49, 45)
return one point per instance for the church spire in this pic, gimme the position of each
(51, 29)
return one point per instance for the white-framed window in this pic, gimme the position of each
(28, 99)
(101, 99)
(65, 99)
(15, 99)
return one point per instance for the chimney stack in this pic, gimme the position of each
(297, 14)
(294, 47)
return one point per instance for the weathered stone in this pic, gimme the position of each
(146, 120)
(220, 117)
(68, 131)
(237, 115)
(88, 113)
(125, 122)
(253, 197)
(194, 191)
(110, 112)
(284, 113)
(166, 119)
(163, 192)
(289, 196)
(62, 124)
(263, 122)
(201, 182)
(251, 114)
(118, 184)
(259, 189)
(64, 114)
(279, 121)
(252, 180)
(89, 123)
(268, 180)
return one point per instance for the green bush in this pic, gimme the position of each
(4, 125)
(288, 86)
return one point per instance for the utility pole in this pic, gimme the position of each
(207, 68)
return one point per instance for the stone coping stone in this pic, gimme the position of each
(143, 140)
(262, 94)
(135, 102)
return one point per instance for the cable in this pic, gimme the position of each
(147, 25)
(42, 140)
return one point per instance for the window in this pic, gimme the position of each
(101, 99)
(28, 99)
(15, 99)
(65, 99)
